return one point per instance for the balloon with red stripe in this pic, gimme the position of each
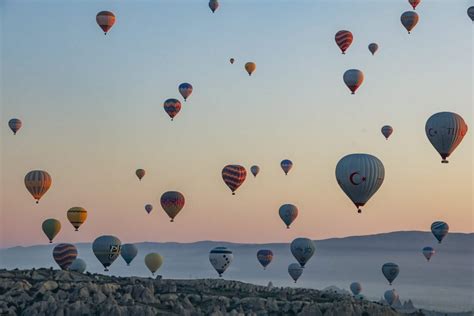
(344, 40)
(353, 79)
(172, 202)
(172, 107)
(37, 182)
(414, 3)
(234, 176)
(105, 20)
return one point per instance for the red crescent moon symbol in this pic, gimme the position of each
(429, 132)
(351, 178)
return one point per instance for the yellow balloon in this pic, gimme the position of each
(77, 216)
(153, 261)
(250, 67)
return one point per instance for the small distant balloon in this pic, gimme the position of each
(409, 20)
(38, 182)
(232, 60)
(390, 270)
(255, 170)
(302, 249)
(128, 252)
(106, 248)
(78, 265)
(295, 271)
(185, 89)
(470, 12)
(51, 227)
(172, 202)
(387, 130)
(140, 173)
(344, 40)
(64, 255)
(428, 252)
(15, 125)
(77, 216)
(106, 20)
(286, 165)
(373, 47)
(221, 258)
(414, 3)
(153, 262)
(353, 78)
(234, 176)
(148, 208)
(264, 256)
(172, 107)
(250, 67)
(213, 5)
(288, 213)
(391, 296)
(356, 288)
(439, 230)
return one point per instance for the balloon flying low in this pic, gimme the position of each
(428, 252)
(78, 265)
(264, 256)
(356, 288)
(64, 255)
(106, 248)
(221, 258)
(439, 230)
(302, 249)
(128, 252)
(390, 270)
(391, 296)
(153, 262)
(295, 271)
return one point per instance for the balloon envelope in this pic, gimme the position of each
(232, 60)
(288, 213)
(344, 39)
(409, 19)
(51, 228)
(128, 252)
(250, 67)
(38, 182)
(185, 89)
(153, 261)
(356, 288)
(286, 165)
(15, 125)
(77, 216)
(439, 230)
(64, 255)
(234, 176)
(172, 202)
(360, 176)
(391, 296)
(106, 248)
(295, 271)
(470, 12)
(148, 208)
(387, 130)
(390, 270)
(353, 79)
(172, 107)
(302, 249)
(445, 131)
(78, 265)
(140, 173)
(105, 20)
(213, 5)
(264, 256)
(221, 258)
(373, 47)
(428, 252)
(255, 170)
(414, 3)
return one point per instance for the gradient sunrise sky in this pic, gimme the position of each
(92, 112)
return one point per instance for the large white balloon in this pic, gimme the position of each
(295, 271)
(221, 258)
(445, 131)
(302, 249)
(360, 176)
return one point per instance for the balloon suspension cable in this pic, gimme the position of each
(14, 133)
(37, 201)
(172, 220)
(444, 161)
(343, 54)
(359, 210)
(106, 270)
(233, 193)
(105, 33)
(220, 275)
(50, 241)
(77, 230)
(171, 119)
(353, 92)
(287, 227)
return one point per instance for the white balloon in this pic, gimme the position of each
(221, 258)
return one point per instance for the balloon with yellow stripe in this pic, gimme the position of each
(77, 216)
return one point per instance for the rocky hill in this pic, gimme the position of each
(53, 292)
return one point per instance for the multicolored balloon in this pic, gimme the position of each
(414, 3)
(140, 173)
(353, 78)
(387, 130)
(51, 228)
(128, 252)
(153, 262)
(15, 125)
(445, 131)
(172, 202)
(286, 165)
(264, 256)
(373, 47)
(302, 249)
(234, 176)
(295, 271)
(390, 270)
(38, 182)
(213, 5)
(288, 213)
(428, 252)
(221, 258)
(106, 248)
(360, 176)
(439, 230)
(172, 107)
(356, 288)
(64, 255)
(344, 40)
(391, 296)
(78, 265)
(409, 20)
(77, 216)
(250, 67)
(470, 12)
(255, 170)
(106, 20)
(148, 208)
(185, 89)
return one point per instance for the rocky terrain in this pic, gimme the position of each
(53, 292)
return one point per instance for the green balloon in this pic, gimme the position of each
(51, 228)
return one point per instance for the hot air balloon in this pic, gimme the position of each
(140, 173)
(106, 20)
(428, 252)
(391, 296)
(128, 252)
(409, 19)
(439, 230)
(221, 258)
(106, 248)
(356, 288)
(414, 3)
(387, 130)
(76, 216)
(295, 271)
(390, 270)
(37, 182)
(286, 165)
(78, 265)
(470, 12)
(344, 40)
(250, 67)
(51, 228)
(172, 202)
(255, 170)
(185, 89)
(64, 255)
(302, 249)
(264, 256)
(288, 213)
(232, 61)
(360, 176)
(148, 208)
(153, 262)
(234, 176)
(172, 107)
(353, 79)
(15, 125)
(445, 131)
(373, 47)
(213, 5)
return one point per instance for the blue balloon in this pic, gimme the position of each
(265, 256)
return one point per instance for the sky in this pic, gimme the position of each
(92, 111)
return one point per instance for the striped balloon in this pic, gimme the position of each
(445, 131)
(414, 3)
(373, 47)
(344, 40)
(264, 256)
(439, 230)
(64, 255)
(255, 170)
(172, 107)
(353, 79)
(140, 173)
(15, 125)
(213, 5)
(286, 165)
(470, 12)
(172, 202)
(185, 89)
(77, 216)
(387, 130)
(360, 176)
(106, 20)
(409, 20)
(390, 270)
(234, 176)
(38, 182)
